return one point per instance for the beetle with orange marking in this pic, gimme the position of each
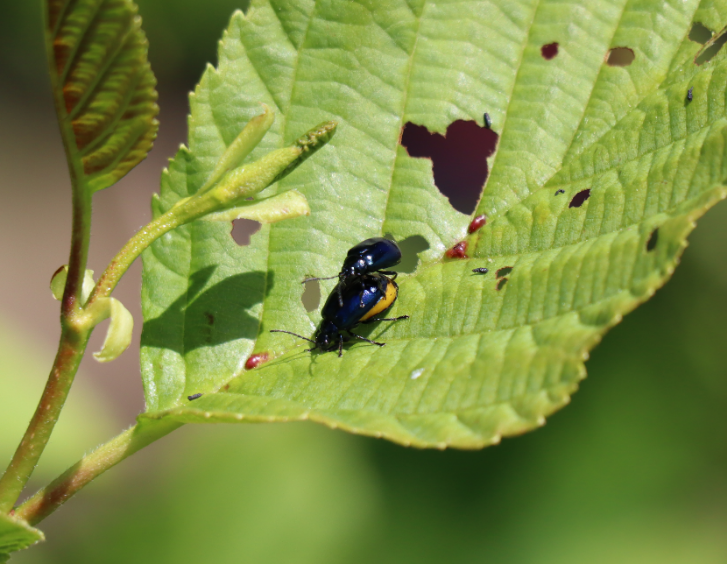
(352, 302)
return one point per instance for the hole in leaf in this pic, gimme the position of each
(700, 33)
(459, 158)
(620, 57)
(549, 51)
(311, 296)
(243, 229)
(653, 240)
(709, 53)
(579, 198)
(504, 271)
(255, 360)
(410, 249)
(501, 284)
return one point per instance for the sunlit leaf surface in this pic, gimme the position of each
(598, 177)
(103, 85)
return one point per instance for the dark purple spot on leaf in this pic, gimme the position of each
(194, 396)
(549, 51)
(579, 198)
(459, 158)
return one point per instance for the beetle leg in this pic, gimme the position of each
(386, 319)
(340, 345)
(312, 279)
(390, 273)
(365, 339)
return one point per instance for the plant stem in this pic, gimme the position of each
(70, 352)
(50, 498)
(136, 245)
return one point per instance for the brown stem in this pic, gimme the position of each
(70, 353)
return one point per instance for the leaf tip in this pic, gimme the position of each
(317, 137)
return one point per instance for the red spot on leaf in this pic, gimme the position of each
(256, 360)
(458, 251)
(477, 223)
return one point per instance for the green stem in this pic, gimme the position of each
(74, 330)
(175, 217)
(50, 498)
(231, 190)
(77, 324)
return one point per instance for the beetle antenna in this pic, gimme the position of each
(294, 335)
(312, 279)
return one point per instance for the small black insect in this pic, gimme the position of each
(559, 192)
(689, 93)
(194, 396)
(480, 270)
(488, 121)
(339, 319)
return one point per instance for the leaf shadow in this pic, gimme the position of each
(217, 315)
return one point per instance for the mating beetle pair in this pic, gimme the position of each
(363, 291)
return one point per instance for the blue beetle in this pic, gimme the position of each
(375, 291)
(371, 255)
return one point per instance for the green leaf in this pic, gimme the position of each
(58, 283)
(16, 535)
(120, 329)
(483, 356)
(103, 85)
(287, 205)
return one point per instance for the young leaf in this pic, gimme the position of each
(599, 176)
(103, 86)
(16, 535)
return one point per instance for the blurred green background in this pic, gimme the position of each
(632, 471)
